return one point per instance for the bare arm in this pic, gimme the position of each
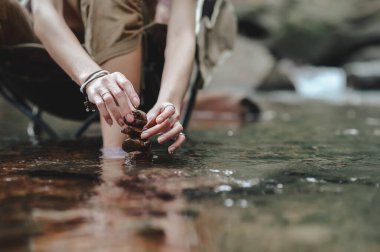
(180, 51)
(60, 41)
(179, 58)
(65, 49)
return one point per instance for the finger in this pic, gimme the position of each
(178, 143)
(127, 86)
(167, 112)
(163, 127)
(172, 133)
(122, 100)
(102, 109)
(112, 108)
(151, 116)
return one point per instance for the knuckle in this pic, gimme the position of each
(108, 99)
(97, 89)
(106, 80)
(128, 86)
(176, 115)
(99, 103)
(118, 94)
(91, 88)
(127, 82)
(115, 113)
(126, 111)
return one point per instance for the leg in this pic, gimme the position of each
(129, 65)
(113, 38)
(13, 17)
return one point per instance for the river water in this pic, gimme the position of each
(306, 177)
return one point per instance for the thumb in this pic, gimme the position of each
(151, 114)
(151, 118)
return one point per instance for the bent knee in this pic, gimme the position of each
(15, 24)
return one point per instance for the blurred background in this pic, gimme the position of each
(294, 49)
(284, 42)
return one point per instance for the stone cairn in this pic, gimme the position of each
(136, 147)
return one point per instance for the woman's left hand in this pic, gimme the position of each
(164, 119)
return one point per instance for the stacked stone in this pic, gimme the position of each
(135, 146)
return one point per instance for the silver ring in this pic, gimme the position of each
(175, 139)
(169, 105)
(105, 93)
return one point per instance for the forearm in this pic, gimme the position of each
(61, 43)
(177, 71)
(179, 53)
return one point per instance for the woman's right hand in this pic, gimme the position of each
(114, 96)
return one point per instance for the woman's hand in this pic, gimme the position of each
(164, 119)
(114, 97)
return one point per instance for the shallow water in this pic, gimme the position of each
(305, 178)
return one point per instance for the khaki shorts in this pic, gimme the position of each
(111, 27)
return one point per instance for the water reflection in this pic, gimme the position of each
(127, 212)
(280, 185)
(97, 206)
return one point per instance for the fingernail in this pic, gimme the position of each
(144, 135)
(136, 102)
(159, 119)
(160, 140)
(171, 150)
(110, 122)
(121, 122)
(130, 118)
(149, 116)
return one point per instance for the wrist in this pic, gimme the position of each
(176, 102)
(170, 96)
(84, 75)
(92, 77)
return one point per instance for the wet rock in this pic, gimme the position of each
(363, 82)
(320, 32)
(133, 144)
(276, 80)
(364, 75)
(140, 155)
(152, 233)
(165, 196)
(157, 213)
(189, 213)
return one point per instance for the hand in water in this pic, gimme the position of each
(164, 119)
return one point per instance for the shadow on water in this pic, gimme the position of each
(306, 178)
